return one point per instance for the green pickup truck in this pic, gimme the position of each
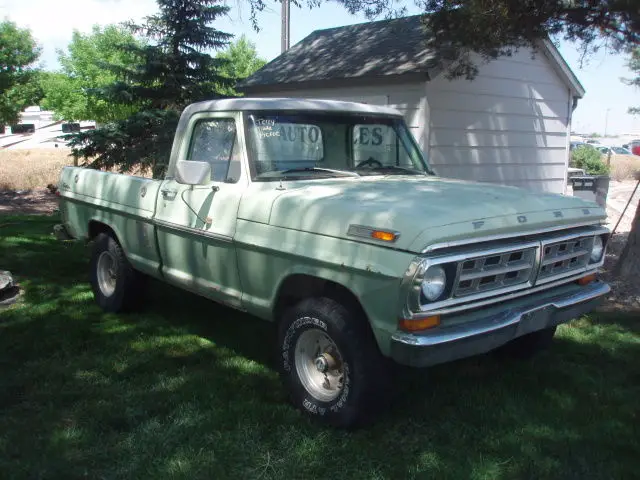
(326, 218)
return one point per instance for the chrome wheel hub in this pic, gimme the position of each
(319, 365)
(106, 273)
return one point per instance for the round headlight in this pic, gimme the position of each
(434, 283)
(596, 251)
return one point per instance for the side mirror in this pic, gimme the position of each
(193, 173)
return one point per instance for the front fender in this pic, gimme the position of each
(268, 255)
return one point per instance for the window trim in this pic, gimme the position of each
(235, 145)
(183, 135)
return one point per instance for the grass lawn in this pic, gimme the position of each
(185, 390)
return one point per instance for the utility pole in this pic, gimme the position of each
(284, 37)
(606, 121)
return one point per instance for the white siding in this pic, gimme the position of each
(509, 125)
(408, 98)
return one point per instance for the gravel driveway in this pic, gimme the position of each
(619, 193)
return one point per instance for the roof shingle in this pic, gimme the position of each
(372, 49)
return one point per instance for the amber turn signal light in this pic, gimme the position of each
(384, 235)
(587, 279)
(420, 323)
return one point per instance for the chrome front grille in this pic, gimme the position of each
(564, 257)
(483, 271)
(494, 271)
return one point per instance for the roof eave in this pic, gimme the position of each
(563, 68)
(367, 80)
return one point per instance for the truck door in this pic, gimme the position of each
(196, 224)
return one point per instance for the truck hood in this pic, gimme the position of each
(423, 210)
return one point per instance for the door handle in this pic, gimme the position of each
(166, 192)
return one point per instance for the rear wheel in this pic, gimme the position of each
(330, 363)
(116, 285)
(529, 345)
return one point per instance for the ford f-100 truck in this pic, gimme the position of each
(326, 218)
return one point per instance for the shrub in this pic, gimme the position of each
(590, 160)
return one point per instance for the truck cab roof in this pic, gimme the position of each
(316, 104)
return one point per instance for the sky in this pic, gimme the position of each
(604, 104)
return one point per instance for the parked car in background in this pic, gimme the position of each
(605, 150)
(578, 144)
(575, 172)
(633, 146)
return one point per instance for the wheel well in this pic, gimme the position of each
(298, 287)
(96, 228)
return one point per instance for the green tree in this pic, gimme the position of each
(88, 65)
(634, 66)
(494, 28)
(65, 97)
(18, 55)
(241, 59)
(174, 71)
(629, 263)
(29, 92)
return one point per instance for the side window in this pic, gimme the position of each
(381, 143)
(215, 141)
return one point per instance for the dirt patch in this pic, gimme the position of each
(39, 201)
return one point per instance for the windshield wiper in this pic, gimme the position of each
(411, 171)
(321, 170)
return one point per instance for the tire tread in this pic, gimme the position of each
(370, 372)
(129, 291)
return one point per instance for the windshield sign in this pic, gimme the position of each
(289, 145)
(320, 145)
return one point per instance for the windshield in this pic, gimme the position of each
(293, 146)
(620, 150)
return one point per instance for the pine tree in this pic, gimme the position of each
(173, 70)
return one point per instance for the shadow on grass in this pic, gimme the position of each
(184, 389)
(629, 322)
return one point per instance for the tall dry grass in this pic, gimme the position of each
(37, 168)
(624, 167)
(29, 169)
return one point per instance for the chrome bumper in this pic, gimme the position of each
(444, 344)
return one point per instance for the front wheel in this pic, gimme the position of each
(330, 363)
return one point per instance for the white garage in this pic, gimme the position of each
(510, 125)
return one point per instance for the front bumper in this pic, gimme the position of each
(447, 343)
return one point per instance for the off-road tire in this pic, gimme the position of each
(129, 284)
(365, 371)
(529, 345)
